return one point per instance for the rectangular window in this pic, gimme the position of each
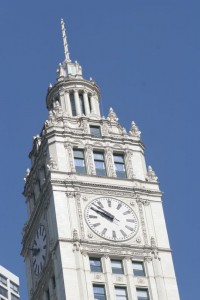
(3, 292)
(99, 163)
(138, 268)
(119, 165)
(79, 161)
(99, 292)
(142, 294)
(121, 293)
(95, 131)
(13, 297)
(95, 264)
(14, 287)
(82, 106)
(117, 266)
(3, 279)
(72, 102)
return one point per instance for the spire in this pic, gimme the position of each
(66, 50)
(67, 68)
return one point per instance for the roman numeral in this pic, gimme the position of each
(100, 204)
(37, 270)
(93, 217)
(123, 233)
(104, 231)
(109, 203)
(127, 212)
(130, 228)
(119, 206)
(114, 234)
(96, 224)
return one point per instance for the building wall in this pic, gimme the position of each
(9, 285)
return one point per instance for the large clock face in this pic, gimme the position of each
(111, 219)
(39, 249)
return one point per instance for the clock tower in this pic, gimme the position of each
(96, 228)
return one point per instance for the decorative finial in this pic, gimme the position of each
(134, 131)
(112, 115)
(151, 175)
(66, 50)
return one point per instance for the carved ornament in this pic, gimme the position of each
(151, 175)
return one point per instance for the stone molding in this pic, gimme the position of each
(89, 159)
(129, 164)
(69, 149)
(142, 220)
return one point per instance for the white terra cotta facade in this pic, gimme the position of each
(71, 167)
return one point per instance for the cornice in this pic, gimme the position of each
(109, 247)
(76, 182)
(74, 134)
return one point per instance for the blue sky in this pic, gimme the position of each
(144, 54)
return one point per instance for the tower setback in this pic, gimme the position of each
(96, 228)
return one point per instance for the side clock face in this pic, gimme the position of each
(39, 249)
(111, 219)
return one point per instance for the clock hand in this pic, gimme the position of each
(35, 251)
(106, 212)
(102, 214)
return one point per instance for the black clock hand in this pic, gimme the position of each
(35, 251)
(102, 214)
(106, 212)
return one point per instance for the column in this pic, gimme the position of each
(68, 104)
(109, 162)
(93, 104)
(86, 104)
(70, 158)
(108, 277)
(81, 278)
(128, 164)
(77, 103)
(62, 100)
(150, 277)
(86, 266)
(159, 277)
(127, 262)
(97, 106)
(89, 160)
